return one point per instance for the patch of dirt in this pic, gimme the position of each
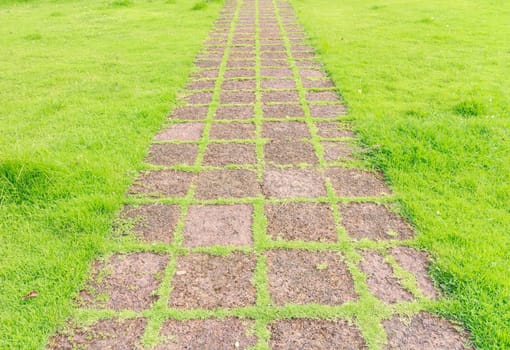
(237, 97)
(274, 63)
(172, 154)
(304, 277)
(381, 280)
(239, 84)
(417, 262)
(162, 183)
(278, 84)
(229, 153)
(231, 131)
(227, 184)
(289, 183)
(202, 84)
(205, 73)
(189, 112)
(322, 96)
(209, 225)
(210, 334)
(317, 83)
(239, 73)
(276, 72)
(126, 281)
(338, 151)
(282, 111)
(373, 221)
(104, 334)
(425, 332)
(289, 152)
(207, 281)
(356, 183)
(197, 98)
(234, 112)
(285, 130)
(312, 73)
(309, 222)
(327, 111)
(181, 132)
(333, 129)
(309, 334)
(280, 96)
(153, 222)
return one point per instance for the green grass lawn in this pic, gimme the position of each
(427, 85)
(84, 85)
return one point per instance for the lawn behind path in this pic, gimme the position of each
(427, 86)
(84, 86)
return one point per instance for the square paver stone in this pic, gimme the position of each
(168, 154)
(125, 281)
(289, 152)
(424, 331)
(208, 225)
(234, 112)
(197, 98)
(381, 280)
(304, 277)
(221, 154)
(227, 333)
(278, 84)
(280, 96)
(338, 151)
(327, 111)
(208, 281)
(323, 96)
(202, 84)
(310, 222)
(231, 131)
(162, 183)
(308, 334)
(285, 130)
(153, 222)
(356, 183)
(237, 97)
(373, 221)
(216, 184)
(333, 129)
(239, 84)
(282, 111)
(104, 334)
(289, 183)
(181, 132)
(189, 112)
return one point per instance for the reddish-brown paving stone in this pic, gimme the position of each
(241, 41)
(312, 64)
(237, 97)
(282, 111)
(203, 84)
(188, 112)
(356, 183)
(327, 111)
(381, 280)
(210, 334)
(230, 131)
(235, 112)
(272, 48)
(333, 129)
(308, 334)
(241, 64)
(274, 55)
(128, 280)
(425, 332)
(227, 184)
(181, 132)
(416, 262)
(304, 54)
(317, 83)
(199, 98)
(373, 221)
(303, 277)
(302, 48)
(205, 74)
(153, 222)
(240, 73)
(239, 84)
(309, 222)
(207, 281)
(172, 154)
(278, 84)
(240, 55)
(280, 96)
(312, 73)
(276, 72)
(208, 63)
(104, 334)
(322, 96)
(275, 63)
(285, 130)
(289, 152)
(338, 151)
(290, 183)
(229, 153)
(209, 225)
(161, 183)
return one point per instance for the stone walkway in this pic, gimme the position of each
(256, 223)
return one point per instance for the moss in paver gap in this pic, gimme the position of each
(263, 238)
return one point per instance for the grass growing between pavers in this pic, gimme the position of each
(84, 87)
(426, 86)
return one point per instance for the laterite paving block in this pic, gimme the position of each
(239, 84)
(172, 154)
(216, 184)
(289, 152)
(153, 222)
(285, 130)
(234, 112)
(181, 132)
(282, 111)
(232, 131)
(188, 112)
(356, 183)
(333, 129)
(218, 154)
(280, 96)
(289, 183)
(338, 151)
(327, 111)
(237, 97)
(162, 183)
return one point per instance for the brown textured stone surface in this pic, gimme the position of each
(290, 183)
(356, 183)
(162, 183)
(218, 154)
(172, 154)
(234, 112)
(181, 132)
(216, 184)
(285, 130)
(153, 222)
(232, 131)
(289, 152)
